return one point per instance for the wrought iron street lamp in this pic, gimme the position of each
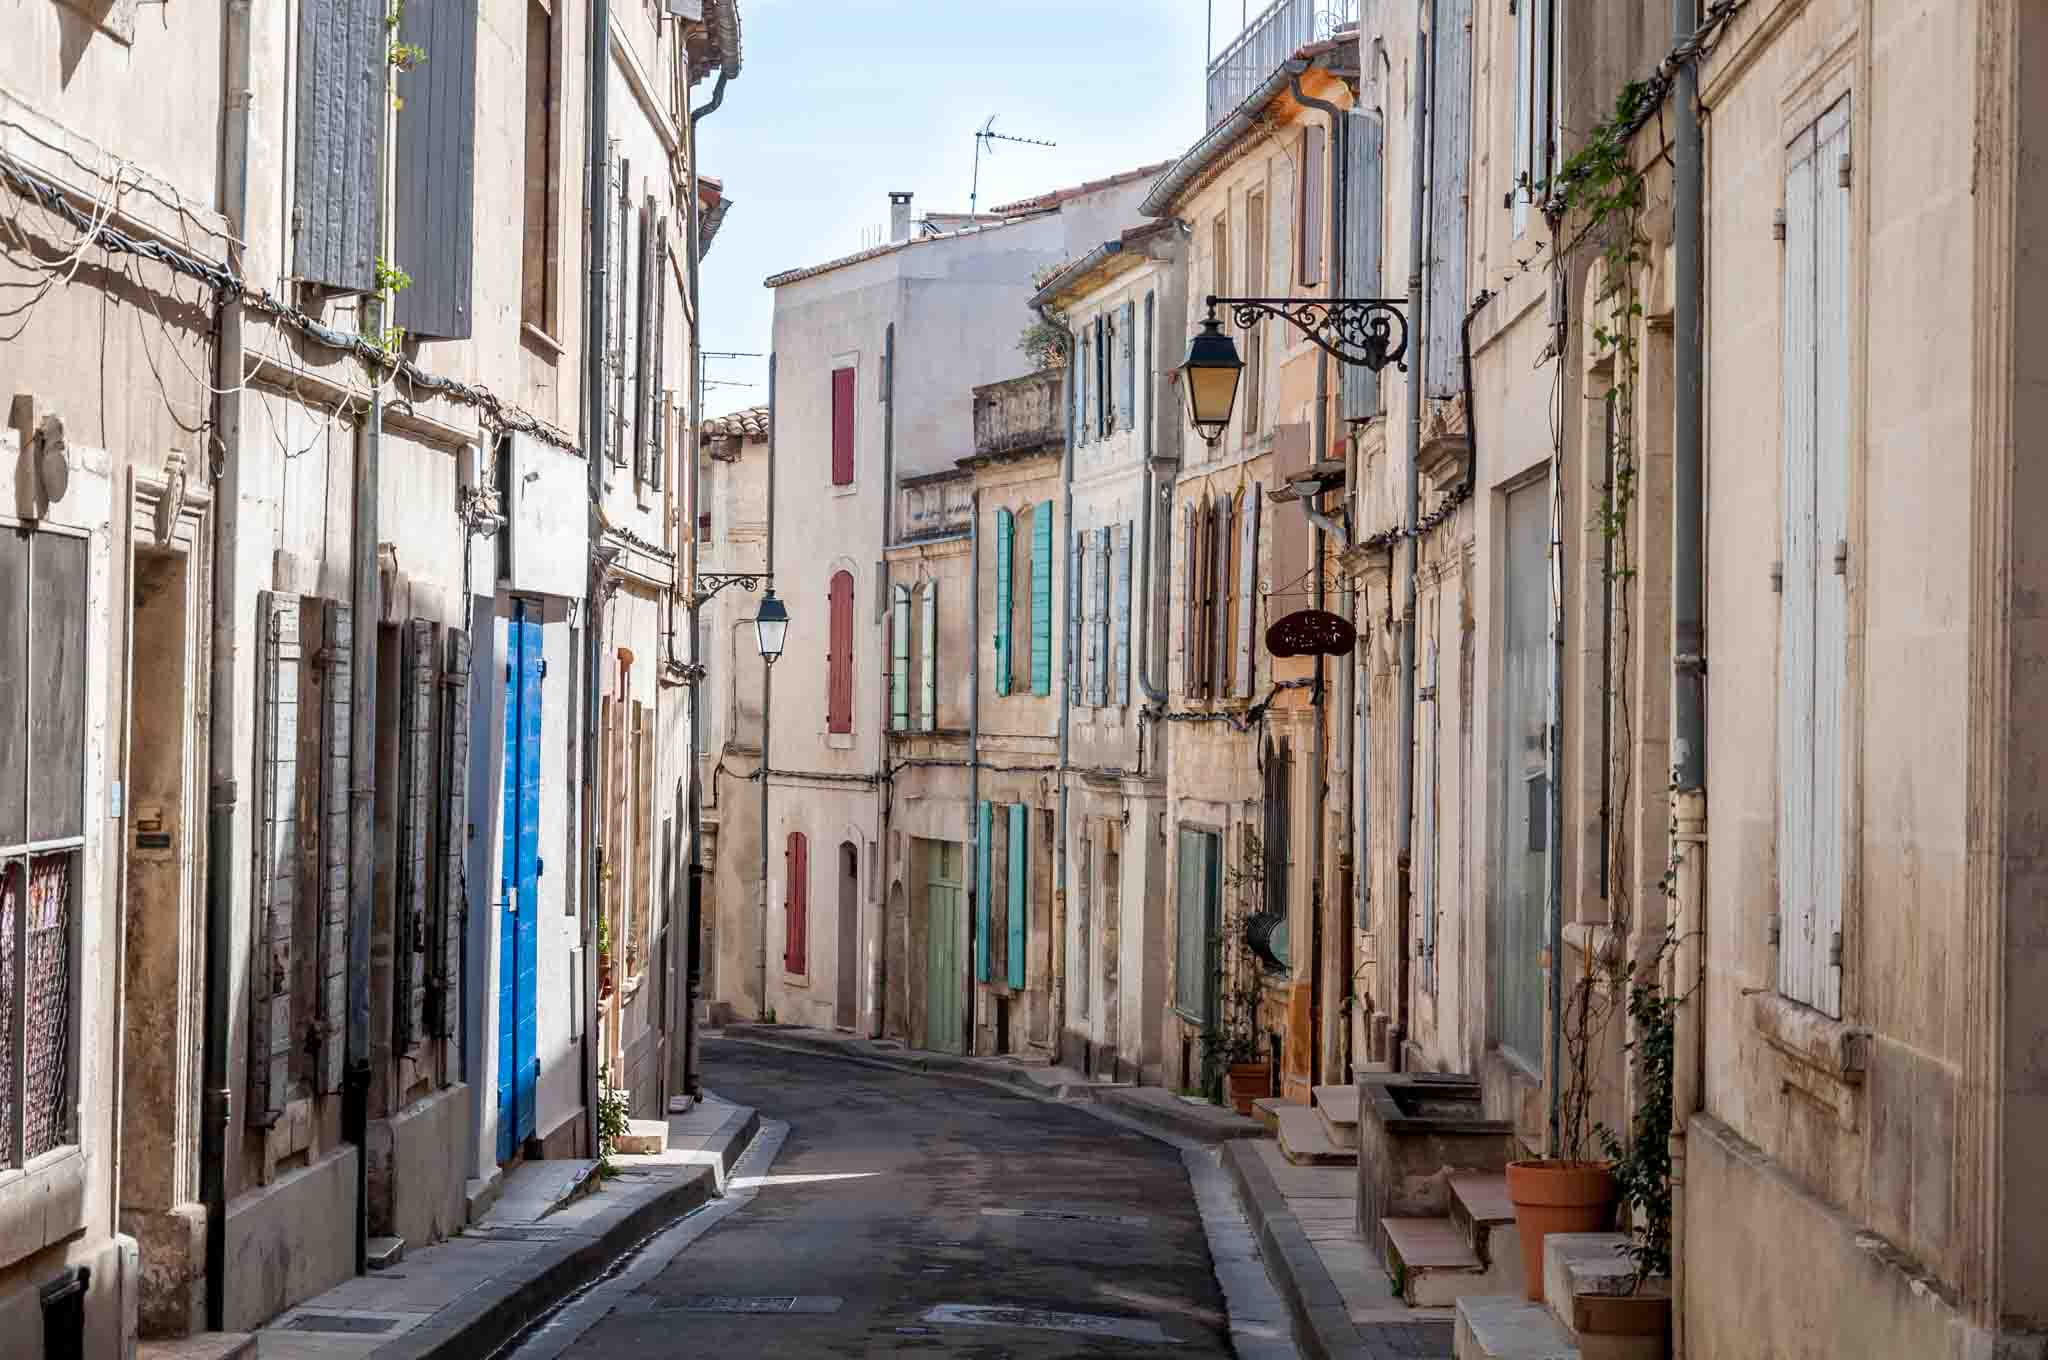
(771, 626)
(1359, 332)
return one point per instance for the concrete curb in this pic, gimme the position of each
(484, 1319)
(1322, 1323)
(900, 1060)
(1213, 1129)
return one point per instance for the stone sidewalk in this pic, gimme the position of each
(553, 1230)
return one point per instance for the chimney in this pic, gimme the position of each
(899, 214)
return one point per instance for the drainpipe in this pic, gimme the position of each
(1152, 567)
(1688, 698)
(767, 694)
(973, 759)
(1065, 683)
(878, 964)
(1404, 803)
(683, 1064)
(599, 185)
(221, 798)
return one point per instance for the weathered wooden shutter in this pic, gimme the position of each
(1191, 603)
(1248, 593)
(1364, 218)
(436, 171)
(277, 857)
(1831, 545)
(1309, 230)
(842, 427)
(1041, 599)
(928, 659)
(657, 438)
(1020, 860)
(331, 1006)
(1084, 387)
(984, 826)
(1127, 352)
(1105, 341)
(1221, 543)
(416, 773)
(446, 1009)
(1426, 899)
(1123, 614)
(1005, 547)
(1076, 672)
(643, 338)
(616, 295)
(899, 660)
(335, 184)
(839, 656)
(796, 899)
(1076, 398)
(1098, 615)
(1450, 157)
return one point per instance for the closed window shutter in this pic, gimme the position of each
(1020, 858)
(1127, 389)
(416, 766)
(796, 905)
(277, 857)
(1077, 400)
(617, 292)
(1041, 599)
(1076, 667)
(657, 436)
(839, 659)
(899, 660)
(1005, 546)
(643, 341)
(928, 659)
(1102, 345)
(337, 638)
(1248, 593)
(1831, 539)
(1450, 157)
(984, 830)
(842, 427)
(435, 181)
(1084, 365)
(1364, 211)
(335, 184)
(1310, 226)
(1223, 626)
(1797, 921)
(1426, 901)
(1112, 375)
(1099, 614)
(1191, 605)
(447, 998)
(1123, 613)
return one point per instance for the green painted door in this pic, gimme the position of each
(945, 884)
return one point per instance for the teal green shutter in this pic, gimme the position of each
(1019, 856)
(1041, 599)
(1005, 532)
(985, 828)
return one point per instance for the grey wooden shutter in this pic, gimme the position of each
(616, 294)
(928, 659)
(1450, 156)
(1075, 540)
(643, 341)
(331, 1007)
(1127, 386)
(1098, 615)
(1248, 593)
(1123, 613)
(1831, 545)
(1364, 216)
(277, 856)
(1084, 386)
(1220, 670)
(447, 1000)
(1102, 344)
(1189, 610)
(657, 435)
(415, 767)
(335, 178)
(1310, 218)
(436, 170)
(1076, 395)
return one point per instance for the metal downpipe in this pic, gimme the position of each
(767, 706)
(1404, 802)
(598, 187)
(972, 867)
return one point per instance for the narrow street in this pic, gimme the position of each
(895, 1195)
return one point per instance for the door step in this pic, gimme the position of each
(1509, 1328)
(1339, 1108)
(1305, 1140)
(384, 1252)
(642, 1138)
(1483, 1212)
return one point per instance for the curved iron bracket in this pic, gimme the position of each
(709, 583)
(1363, 332)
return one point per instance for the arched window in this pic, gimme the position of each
(839, 656)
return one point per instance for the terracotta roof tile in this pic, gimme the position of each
(751, 423)
(1056, 197)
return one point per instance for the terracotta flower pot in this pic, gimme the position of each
(1249, 1081)
(1557, 1197)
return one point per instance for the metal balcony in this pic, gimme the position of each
(1276, 33)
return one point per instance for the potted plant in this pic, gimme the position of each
(1237, 1065)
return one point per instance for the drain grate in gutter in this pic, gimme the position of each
(340, 1322)
(1071, 1216)
(758, 1303)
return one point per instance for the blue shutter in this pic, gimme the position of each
(1041, 599)
(341, 127)
(1005, 533)
(984, 829)
(1020, 842)
(1123, 613)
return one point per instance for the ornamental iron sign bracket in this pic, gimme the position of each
(1363, 332)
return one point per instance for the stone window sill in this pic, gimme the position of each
(1830, 1047)
(538, 339)
(41, 1203)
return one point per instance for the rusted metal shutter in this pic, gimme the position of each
(657, 437)
(1450, 157)
(1246, 660)
(1364, 220)
(331, 1006)
(436, 179)
(1122, 668)
(277, 856)
(415, 774)
(335, 183)
(839, 659)
(644, 381)
(452, 908)
(842, 427)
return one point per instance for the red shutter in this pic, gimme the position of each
(842, 427)
(839, 660)
(796, 900)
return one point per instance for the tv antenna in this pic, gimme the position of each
(988, 136)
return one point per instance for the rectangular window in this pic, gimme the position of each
(1515, 918)
(1105, 344)
(537, 260)
(1813, 657)
(842, 427)
(1195, 909)
(839, 657)
(43, 699)
(1309, 231)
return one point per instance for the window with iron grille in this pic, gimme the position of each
(42, 833)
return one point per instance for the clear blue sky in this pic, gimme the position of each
(840, 101)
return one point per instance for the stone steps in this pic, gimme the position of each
(1591, 1309)
(643, 1138)
(1483, 1212)
(1339, 1108)
(1432, 1264)
(1305, 1141)
(204, 1346)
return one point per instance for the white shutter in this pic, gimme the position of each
(1098, 613)
(928, 659)
(1123, 613)
(331, 1006)
(447, 1009)
(1830, 545)
(1797, 921)
(899, 660)
(1076, 676)
(1426, 897)
(277, 856)
(1247, 592)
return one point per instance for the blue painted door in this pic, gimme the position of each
(519, 884)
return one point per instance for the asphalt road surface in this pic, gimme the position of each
(914, 1215)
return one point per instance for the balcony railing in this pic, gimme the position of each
(1276, 33)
